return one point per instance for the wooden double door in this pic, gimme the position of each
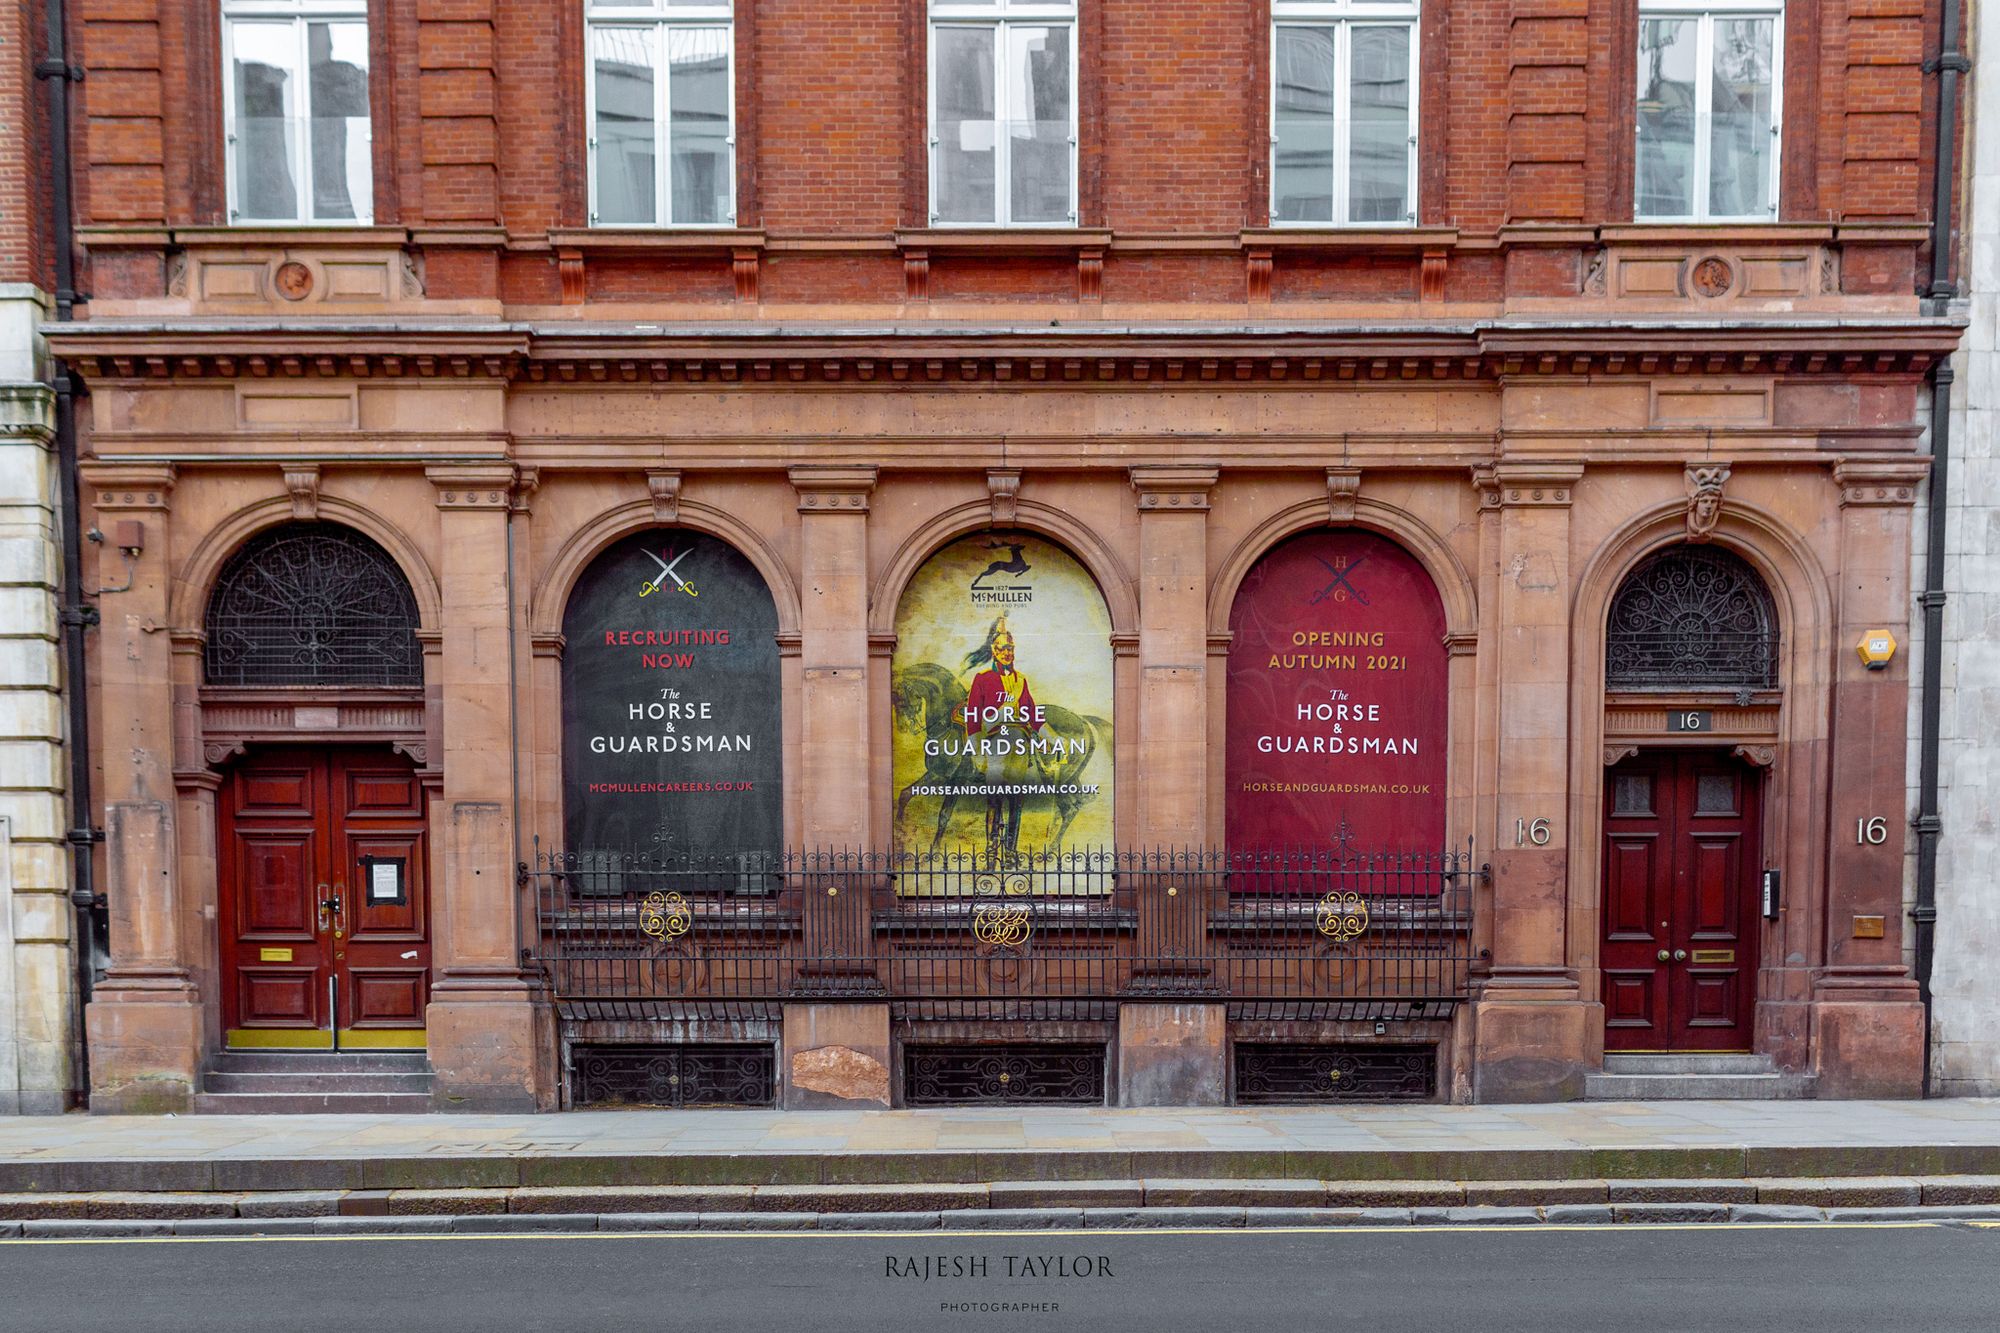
(323, 899)
(1682, 873)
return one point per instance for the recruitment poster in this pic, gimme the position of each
(1336, 699)
(671, 728)
(1001, 688)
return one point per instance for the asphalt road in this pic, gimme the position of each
(1632, 1279)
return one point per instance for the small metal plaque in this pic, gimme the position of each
(1713, 956)
(1690, 719)
(274, 955)
(1869, 927)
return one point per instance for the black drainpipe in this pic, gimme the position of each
(1951, 62)
(56, 74)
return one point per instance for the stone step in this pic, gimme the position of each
(330, 1062)
(1688, 1064)
(260, 1081)
(311, 1103)
(1767, 1086)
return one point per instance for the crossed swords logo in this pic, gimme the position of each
(1340, 583)
(653, 585)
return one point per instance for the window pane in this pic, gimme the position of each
(342, 181)
(698, 92)
(1038, 123)
(1739, 164)
(1378, 144)
(1664, 163)
(267, 91)
(1302, 170)
(965, 180)
(624, 59)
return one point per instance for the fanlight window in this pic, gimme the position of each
(1692, 617)
(308, 604)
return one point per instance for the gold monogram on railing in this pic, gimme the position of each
(665, 916)
(1001, 925)
(1341, 916)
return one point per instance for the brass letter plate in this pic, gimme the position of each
(1712, 956)
(1868, 927)
(274, 955)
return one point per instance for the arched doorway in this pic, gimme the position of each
(322, 866)
(1337, 699)
(1001, 687)
(1683, 817)
(672, 730)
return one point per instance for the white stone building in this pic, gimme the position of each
(1965, 980)
(37, 976)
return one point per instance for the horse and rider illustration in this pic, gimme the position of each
(992, 732)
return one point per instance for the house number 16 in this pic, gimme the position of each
(1871, 832)
(1531, 831)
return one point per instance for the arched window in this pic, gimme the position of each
(312, 604)
(1692, 617)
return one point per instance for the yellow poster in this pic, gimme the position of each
(1001, 688)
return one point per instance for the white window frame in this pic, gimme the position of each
(1344, 16)
(301, 14)
(1707, 12)
(661, 16)
(999, 15)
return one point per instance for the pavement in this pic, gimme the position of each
(1814, 1278)
(1725, 1126)
(1943, 1152)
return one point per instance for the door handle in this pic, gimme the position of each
(1662, 955)
(339, 901)
(1680, 955)
(326, 906)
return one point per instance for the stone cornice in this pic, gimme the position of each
(590, 355)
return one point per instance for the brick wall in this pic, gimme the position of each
(479, 108)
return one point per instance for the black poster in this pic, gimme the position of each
(671, 725)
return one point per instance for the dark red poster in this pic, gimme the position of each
(1337, 699)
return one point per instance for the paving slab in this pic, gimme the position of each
(1731, 1141)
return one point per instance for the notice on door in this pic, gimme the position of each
(672, 738)
(1337, 699)
(385, 880)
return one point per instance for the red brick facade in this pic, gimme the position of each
(1525, 389)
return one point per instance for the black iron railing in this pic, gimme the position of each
(1055, 935)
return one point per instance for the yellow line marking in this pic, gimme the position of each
(1616, 1228)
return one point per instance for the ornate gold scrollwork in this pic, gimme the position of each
(665, 916)
(1001, 925)
(1341, 916)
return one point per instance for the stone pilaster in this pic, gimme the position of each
(37, 970)
(836, 1052)
(1173, 654)
(1534, 1034)
(145, 1021)
(833, 650)
(1173, 1054)
(1868, 1024)
(488, 1040)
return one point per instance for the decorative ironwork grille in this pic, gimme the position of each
(1266, 1074)
(1692, 617)
(1281, 935)
(312, 604)
(695, 1075)
(1003, 1075)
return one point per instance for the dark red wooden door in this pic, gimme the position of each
(323, 898)
(1681, 868)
